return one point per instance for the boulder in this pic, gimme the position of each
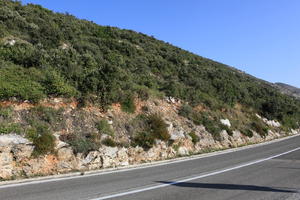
(6, 165)
(182, 151)
(109, 151)
(22, 151)
(225, 122)
(177, 134)
(12, 139)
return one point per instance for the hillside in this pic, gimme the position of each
(46, 54)
(78, 96)
(288, 89)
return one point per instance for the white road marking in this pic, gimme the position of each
(193, 178)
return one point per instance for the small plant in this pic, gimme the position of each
(6, 128)
(109, 142)
(195, 138)
(127, 105)
(185, 111)
(31, 133)
(247, 132)
(158, 127)
(143, 139)
(5, 112)
(44, 144)
(260, 128)
(227, 129)
(104, 128)
(46, 114)
(82, 145)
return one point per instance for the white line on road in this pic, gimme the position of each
(193, 178)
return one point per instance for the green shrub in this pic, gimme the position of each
(143, 139)
(158, 127)
(185, 111)
(104, 128)
(46, 114)
(20, 83)
(44, 144)
(247, 132)
(83, 145)
(213, 127)
(31, 133)
(226, 128)
(195, 138)
(6, 128)
(109, 142)
(127, 105)
(6, 112)
(260, 128)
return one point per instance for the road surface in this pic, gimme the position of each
(266, 172)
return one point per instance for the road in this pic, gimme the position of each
(268, 172)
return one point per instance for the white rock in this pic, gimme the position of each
(182, 151)
(177, 134)
(65, 154)
(225, 122)
(6, 165)
(22, 151)
(110, 151)
(12, 139)
(273, 123)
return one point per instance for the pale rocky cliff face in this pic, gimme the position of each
(16, 158)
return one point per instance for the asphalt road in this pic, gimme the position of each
(268, 172)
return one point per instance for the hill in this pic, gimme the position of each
(289, 90)
(77, 96)
(45, 54)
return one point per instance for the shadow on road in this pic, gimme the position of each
(227, 186)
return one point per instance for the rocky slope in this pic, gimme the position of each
(288, 89)
(16, 150)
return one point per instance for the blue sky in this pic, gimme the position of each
(260, 37)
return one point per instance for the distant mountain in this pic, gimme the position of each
(288, 89)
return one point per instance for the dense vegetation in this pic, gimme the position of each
(44, 54)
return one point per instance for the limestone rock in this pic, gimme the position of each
(182, 151)
(6, 165)
(177, 134)
(109, 151)
(65, 154)
(22, 152)
(12, 139)
(225, 122)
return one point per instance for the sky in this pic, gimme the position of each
(260, 37)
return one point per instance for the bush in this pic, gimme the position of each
(5, 112)
(127, 105)
(19, 82)
(210, 125)
(6, 128)
(109, 142)
(44, 144)
(260, 128)
(247, 132)
(227, 129)
(31, 134)
(158, 127)
(143, 139)
(185, 111)
(195, 138)
(104, 128)
(82, 145)
(47, 115)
